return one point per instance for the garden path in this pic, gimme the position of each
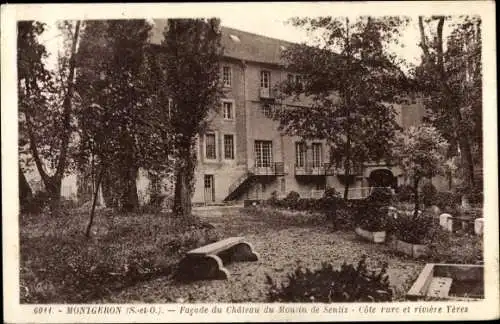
(282, 248)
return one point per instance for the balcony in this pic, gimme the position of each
(357, 170)
(274, 169)
(268, 94)
(309, 170)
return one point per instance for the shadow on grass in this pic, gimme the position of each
(60, 265)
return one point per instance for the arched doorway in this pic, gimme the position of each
(382, 178)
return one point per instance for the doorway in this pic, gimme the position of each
(209, 188)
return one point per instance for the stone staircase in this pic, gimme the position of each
(236, 188)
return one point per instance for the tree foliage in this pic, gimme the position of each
(115, 129)
(189, 56)
(450, 78)
(46, 103)
(352, 80)
(421, 153)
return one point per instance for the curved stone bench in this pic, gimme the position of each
(206, 262)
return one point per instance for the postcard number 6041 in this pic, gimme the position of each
(42, 310)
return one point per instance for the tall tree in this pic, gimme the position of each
(421, 152)
(116, 98)
(451, 79)
(192, 52)
(350, 78)
(46, 103)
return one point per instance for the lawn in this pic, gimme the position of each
(151, 245)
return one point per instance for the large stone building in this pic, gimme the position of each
(243, 155)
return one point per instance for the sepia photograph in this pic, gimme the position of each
(277, 161)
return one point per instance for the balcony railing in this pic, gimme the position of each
(355, 170)
(273, 169)
(312, 170)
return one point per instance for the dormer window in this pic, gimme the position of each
(234, 38)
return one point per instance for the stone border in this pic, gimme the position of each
(413, 250)
(375, 237)
(419, 288)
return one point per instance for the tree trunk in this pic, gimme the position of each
(53, 187)
(129, 198)
(463, 137)
(92, 210)
(25, 192)
(183, 186)
(108, 190)
(347, 174)
(416, 181)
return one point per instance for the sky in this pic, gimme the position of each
(268, 23)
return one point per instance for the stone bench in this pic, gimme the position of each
(207, 262)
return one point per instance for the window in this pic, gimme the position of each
(265, 79)
(300, 154)
(263, 154)
(295, 80)
(267, 109)
(210, 148)
(229, 147)
(226, 76)
(228, 110)
(317, 154)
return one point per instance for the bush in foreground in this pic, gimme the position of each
(349, 284)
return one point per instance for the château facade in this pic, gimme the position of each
(244, 156)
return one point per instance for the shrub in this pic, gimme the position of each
(411, 229)
(459, 247)
(404, 193)
(292, 199)
(380, 197)
(475, 193)
(37, 203)
(447, 201)
(331, 193)
(370, 216)
(304, 204)
(429, 192)
(349, 284)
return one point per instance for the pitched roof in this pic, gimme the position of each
(238, 44)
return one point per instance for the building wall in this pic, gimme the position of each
(251, 124)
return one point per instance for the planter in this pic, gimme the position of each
(449, 282)
(479, 226)
(376, 237)
(443, 220)
(413, 250)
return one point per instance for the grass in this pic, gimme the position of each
(131, 258)
(59, 264)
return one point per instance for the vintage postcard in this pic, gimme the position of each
(249, 162)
